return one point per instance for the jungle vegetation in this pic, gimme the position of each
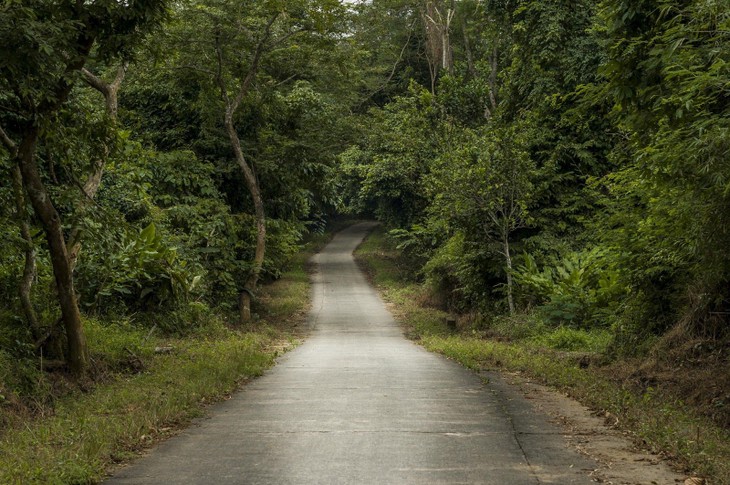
(567, 161)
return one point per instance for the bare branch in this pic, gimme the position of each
(467, 49)
(280, 83)
(286, 37)
(493, 77)
(395, 66)
(100, 85)
(81, 188)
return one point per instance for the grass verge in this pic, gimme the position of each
(662, 423)
(90, 431)
(148, 394)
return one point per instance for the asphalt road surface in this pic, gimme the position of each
(359, 403)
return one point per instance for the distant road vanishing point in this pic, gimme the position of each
(359, 403)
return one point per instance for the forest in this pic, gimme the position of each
(540, 164)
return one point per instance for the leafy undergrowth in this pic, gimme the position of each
(143, 387)
(571, 360)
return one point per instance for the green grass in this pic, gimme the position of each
(138, 396)
(574, 339)
(89, 431)
(666, 425)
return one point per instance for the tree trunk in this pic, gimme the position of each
(447, 62)
(76, 351)
(29, 268)
(508, 260)
(249, 177)
(493, 78)
(244, 307)
(73, 246)
(434, 41)
(467, 50)
(445, 49)
(252, 185)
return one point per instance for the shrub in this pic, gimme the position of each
(144, 273)
(580, 290)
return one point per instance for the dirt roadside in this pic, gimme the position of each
(621, 461)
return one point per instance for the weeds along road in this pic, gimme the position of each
(359, 403)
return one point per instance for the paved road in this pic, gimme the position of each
(358, 403)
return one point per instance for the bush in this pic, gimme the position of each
(186, 319)
(193, 317)
(465, 273)
(20, 378)
(580, 290)
(145, 272)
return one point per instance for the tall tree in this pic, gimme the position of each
(45, 47)
(237, 39)
(389, 48)
(437, 20)
(495, 177)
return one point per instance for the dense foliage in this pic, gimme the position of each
(569, 160)
(126, 194)
(566, 159)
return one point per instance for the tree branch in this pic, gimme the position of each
(282, 82)
(493, 78)
(94, 81)
(286, 37)
(121, 72)
(194, 68)
(395, 66)
(9, 144)
(252, 71)
(219, 71)
(100, 85)
(467, 49)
